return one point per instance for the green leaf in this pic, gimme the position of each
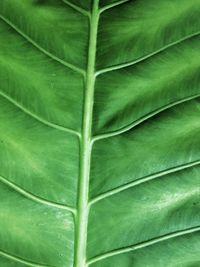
(99, 140)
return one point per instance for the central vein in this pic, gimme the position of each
(86, 145)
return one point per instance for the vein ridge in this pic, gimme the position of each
(77, 8)
(113, 5)
(34, 197)
(143, 180)
(143, 119)
(143, 244)
(49, 124)
(41, 49)
(20, 260)
(141, 59)
(86, 145)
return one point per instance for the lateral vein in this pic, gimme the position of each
(113, 5)
(143, 119)
(139, 60)
(28, 112)
(143, 244)
(34, 197)
(44, 51)
(143, 180)
(77, 8)
(20, 260)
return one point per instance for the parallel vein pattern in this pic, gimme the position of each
(99, 140)
(144, 182)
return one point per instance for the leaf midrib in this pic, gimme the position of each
(86, 140)
(86, 145)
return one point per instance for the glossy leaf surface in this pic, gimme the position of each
(100, 133)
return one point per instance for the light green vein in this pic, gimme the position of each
(139, 60)
(34, 197)
(77, 8)
(113, 5)
(143, 119)
(20, 260)
(47, 53)
(144, 180)
(85, 146)
(41, 120)
(143, 244)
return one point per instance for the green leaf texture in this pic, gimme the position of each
(100, 133)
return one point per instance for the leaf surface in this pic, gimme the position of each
(99, 140)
